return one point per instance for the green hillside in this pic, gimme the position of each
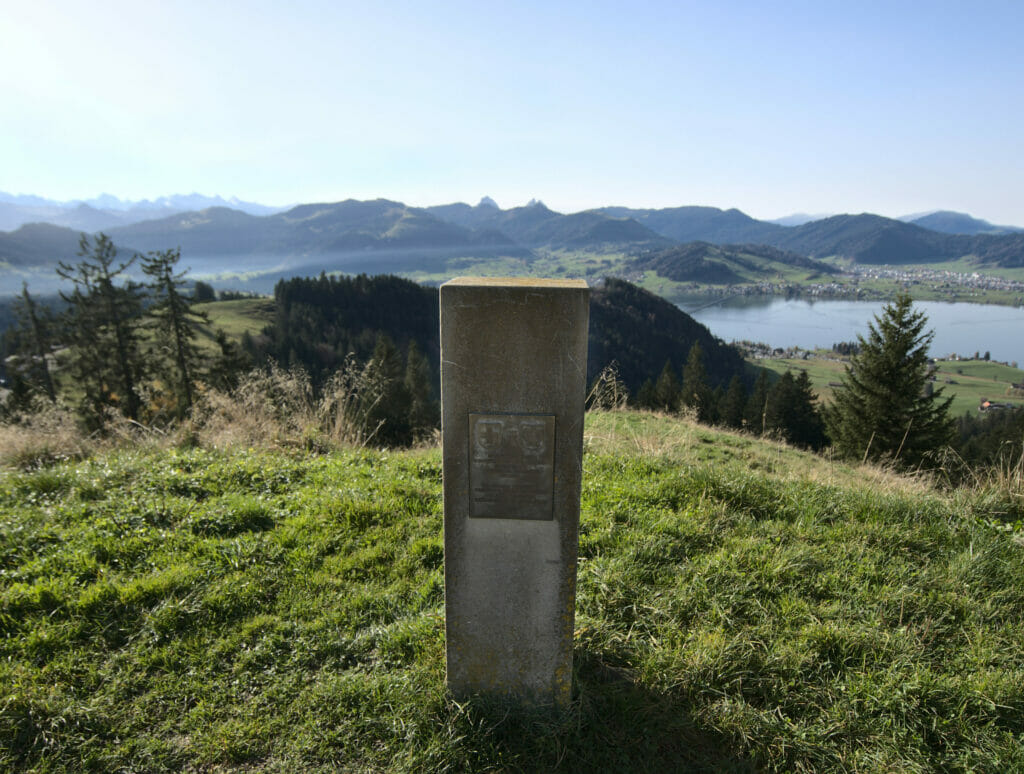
(741, 607)
(705, 263)
(239, 315)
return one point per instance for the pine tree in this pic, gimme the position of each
(424, 412)
(733, 404)
(753, 416)
(809, 427)
(203, 292)
(645, 395)
(666, 389)
(232, 360)
(101, 330)
(882, 411)
(791, 413)
(175, 325)
(34, 343)
(390, 410)
(696, 393)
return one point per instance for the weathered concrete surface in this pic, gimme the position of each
(513, 381)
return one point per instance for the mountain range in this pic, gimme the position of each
(957, 223)
(106, 211)
(700, 244)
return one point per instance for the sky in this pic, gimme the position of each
(774, 108)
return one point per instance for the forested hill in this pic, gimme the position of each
(38, 244)
(319, 320)
(959, 223)
(723, 264)
(535, 225)
(872, 239)
(702, 224)
(641, 331)
(307, 229)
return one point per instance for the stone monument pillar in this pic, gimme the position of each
(513, 384)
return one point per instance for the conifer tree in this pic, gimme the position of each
(645, 395)
(424, 413)
(33, 344)
(733, 404)
(101, 329)
(757, 403)
(231, 361)
(881, 410)
(810, 424)
(175, 325)
(203, 292)
(696, 393)
(666, 389)
(790, 411)
(390, 409)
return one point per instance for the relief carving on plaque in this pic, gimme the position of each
(511, 472)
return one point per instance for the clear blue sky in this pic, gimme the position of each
(888, 107)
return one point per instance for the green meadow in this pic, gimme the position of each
(742, 606)
(239, 315)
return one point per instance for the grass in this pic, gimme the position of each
(741, 607)
(969, 381)
(239, 315)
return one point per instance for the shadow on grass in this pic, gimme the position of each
(613, 725)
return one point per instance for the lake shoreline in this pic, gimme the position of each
(962, 328)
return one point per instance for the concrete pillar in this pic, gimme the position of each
(513, 385)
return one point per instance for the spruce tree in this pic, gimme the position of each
(790, 411)
(390, 409)
(666, 389)
(424, 412)
(881, 411)
(230, 362)
(809, 426)
(757, 403)
(645, 395)
(101, 330)
(33, 342)
(696, 393)
(733, 404)
(175, 326)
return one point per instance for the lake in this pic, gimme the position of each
(784, 322)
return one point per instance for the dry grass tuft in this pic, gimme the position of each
(45, 434)
(273, 407)
(277, 407)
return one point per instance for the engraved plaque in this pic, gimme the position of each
(511, 471)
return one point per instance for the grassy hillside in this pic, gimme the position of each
(704, 263)
(741, 607)
(239, 315)
(969, 381)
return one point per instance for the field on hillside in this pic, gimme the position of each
(239, 315)
(969, 381)
(741, 607)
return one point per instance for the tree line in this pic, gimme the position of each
(120, 345)
(786, 408)
(133, 348)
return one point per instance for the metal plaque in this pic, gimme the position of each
(512, 466)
